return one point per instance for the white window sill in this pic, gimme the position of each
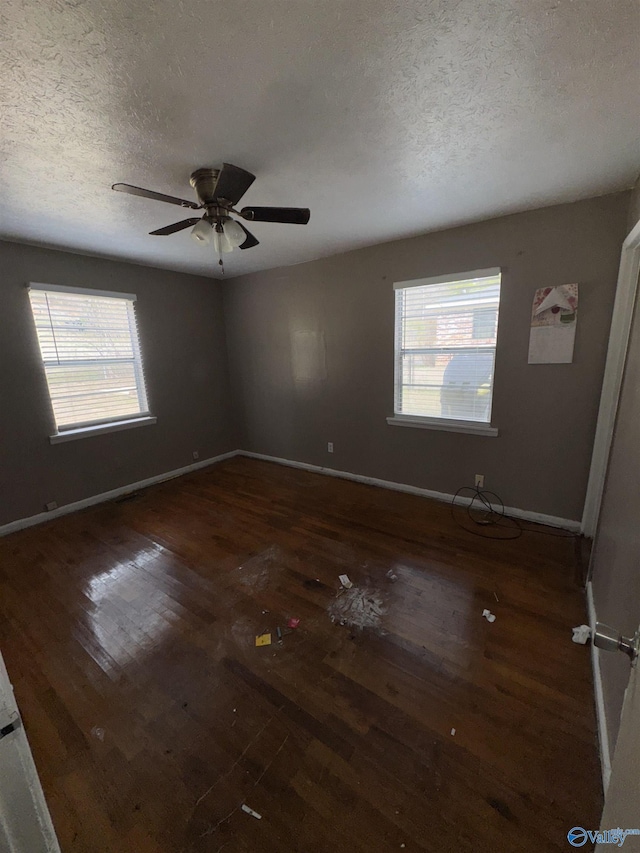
(470, 427)
(100, 429)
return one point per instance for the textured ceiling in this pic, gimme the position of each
(386, 118)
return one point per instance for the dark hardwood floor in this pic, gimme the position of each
(129, 633)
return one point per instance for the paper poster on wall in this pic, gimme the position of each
(553, 324)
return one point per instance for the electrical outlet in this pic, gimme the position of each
(51, 506)
(329, 447)
(479, 481)
(195, 454)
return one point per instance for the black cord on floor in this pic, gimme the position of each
(486, 509)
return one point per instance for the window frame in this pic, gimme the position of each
(114, 423)
(485, 428)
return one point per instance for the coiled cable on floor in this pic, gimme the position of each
(486, 510)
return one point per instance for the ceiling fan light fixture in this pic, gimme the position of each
(202, 231)
(234, 232)
(221, 242)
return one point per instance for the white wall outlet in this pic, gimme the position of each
(329, 447)
(195, 454)
(479, 481)
(51, 506)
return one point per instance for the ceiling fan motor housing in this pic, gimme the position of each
(204, 182)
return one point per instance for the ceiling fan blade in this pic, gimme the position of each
(233, 182)
(131, 190)
(291, 215)
(250, 242)
(177, 226)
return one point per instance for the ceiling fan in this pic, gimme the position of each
(218, 190)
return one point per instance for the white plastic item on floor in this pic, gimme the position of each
(245, 808)
(581, 634)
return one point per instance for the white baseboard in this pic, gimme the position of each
(524, 514)
(603, 732)
(41, 517)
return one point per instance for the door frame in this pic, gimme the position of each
(613, 373)
(25, 822)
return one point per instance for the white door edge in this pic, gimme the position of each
(614, 370)
(25, 822)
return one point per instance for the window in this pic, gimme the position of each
(445, 345)
(89, 345)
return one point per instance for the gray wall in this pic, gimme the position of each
(184, 352)
(340, 309)
(616, 553)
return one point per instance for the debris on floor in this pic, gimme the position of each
(98, 732)
(581, 634)
(344, 580)
(453, 732)
(263, 640)
(245, 808)
(279, 633)
(359, 607)
(496, 595)
(393, 577)
(262, 570)
(293, 622)
(488, 615)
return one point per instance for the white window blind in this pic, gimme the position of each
(91, 354)
(445, 343)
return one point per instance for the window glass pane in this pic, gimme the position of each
(445, 349)
(91, 356)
